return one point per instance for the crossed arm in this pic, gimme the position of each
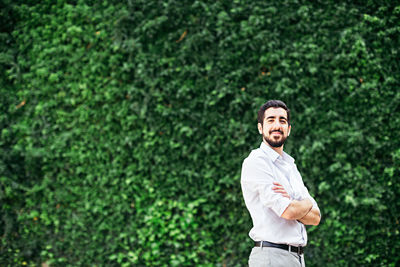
(301, 210)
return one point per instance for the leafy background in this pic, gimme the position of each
(124, 125)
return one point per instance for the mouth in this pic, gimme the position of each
(276, 133)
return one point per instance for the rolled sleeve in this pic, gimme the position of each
(273, 200)
(303, 191)
(307, 195)
(257, 178)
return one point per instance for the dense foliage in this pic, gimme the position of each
(124, 125)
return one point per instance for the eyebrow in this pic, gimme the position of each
(273, 117)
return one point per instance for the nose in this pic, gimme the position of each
(276, 125)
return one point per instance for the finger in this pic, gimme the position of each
(280, 191)
(276, 187)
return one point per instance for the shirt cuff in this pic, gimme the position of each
(281, 205)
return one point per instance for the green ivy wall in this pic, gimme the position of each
(124, 124)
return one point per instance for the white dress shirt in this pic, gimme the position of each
(260, 169)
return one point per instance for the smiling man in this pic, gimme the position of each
(273, 190)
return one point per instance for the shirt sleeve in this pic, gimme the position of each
(306, 194)
(258, 178)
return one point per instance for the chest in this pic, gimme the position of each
(288, 176)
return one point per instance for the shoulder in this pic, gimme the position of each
(257, 160)
(257, 168)
(256, 155)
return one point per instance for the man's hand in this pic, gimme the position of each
(278, 188)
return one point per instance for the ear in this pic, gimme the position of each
(259, 126)
(290, 127)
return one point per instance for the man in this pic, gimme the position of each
(273, 190)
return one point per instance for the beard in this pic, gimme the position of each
(275, 143)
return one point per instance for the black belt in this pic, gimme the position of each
(299, 250)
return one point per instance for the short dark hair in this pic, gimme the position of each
(272, 104)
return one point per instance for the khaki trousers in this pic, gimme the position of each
(274, 257)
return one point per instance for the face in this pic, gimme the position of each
(275, 128)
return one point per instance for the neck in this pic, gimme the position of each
(278, 150)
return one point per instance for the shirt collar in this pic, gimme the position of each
(273, 155)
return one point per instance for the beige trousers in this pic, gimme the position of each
(274, 257)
